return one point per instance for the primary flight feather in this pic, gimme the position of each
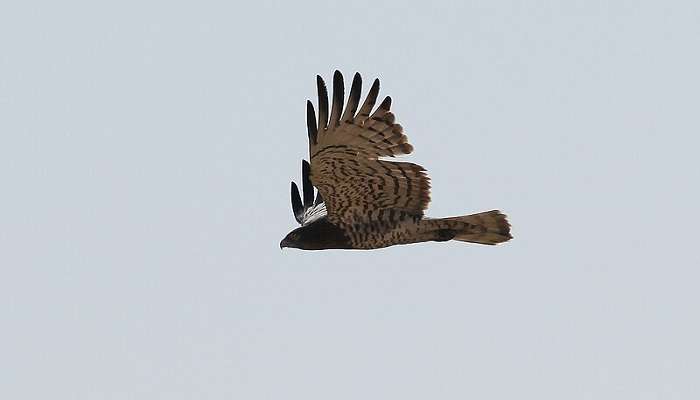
(364, 202)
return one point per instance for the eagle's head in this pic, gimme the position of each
(293, 239)
(318, 235)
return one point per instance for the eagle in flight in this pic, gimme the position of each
(365, 201)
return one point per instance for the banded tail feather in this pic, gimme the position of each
(490, 227)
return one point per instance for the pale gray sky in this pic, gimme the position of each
(146, 151)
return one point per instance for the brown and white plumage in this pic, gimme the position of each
(371, 202)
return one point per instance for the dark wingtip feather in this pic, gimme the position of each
(367, 106)
(297, 207)
(311, 122)
(307, 186)
(374, 90)
(353, 98)
(338, 97)
(386, 103)
(322, 103)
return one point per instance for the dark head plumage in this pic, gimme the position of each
(318, 235)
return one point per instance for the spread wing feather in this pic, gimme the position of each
(309, 210)
(322, 103)
(345, 167)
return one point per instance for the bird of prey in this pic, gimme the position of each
(365, 201)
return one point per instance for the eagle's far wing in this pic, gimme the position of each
(355, 184)
(308, 210)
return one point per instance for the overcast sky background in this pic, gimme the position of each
(146, 151)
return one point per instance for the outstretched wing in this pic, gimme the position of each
(309, 210)
(345, 148)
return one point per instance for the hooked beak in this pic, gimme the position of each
(284, 243)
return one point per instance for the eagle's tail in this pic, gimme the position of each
(490, 227)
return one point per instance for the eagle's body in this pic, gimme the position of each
(400, 228)
(364, 202)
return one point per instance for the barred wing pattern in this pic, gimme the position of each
(355, 184)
